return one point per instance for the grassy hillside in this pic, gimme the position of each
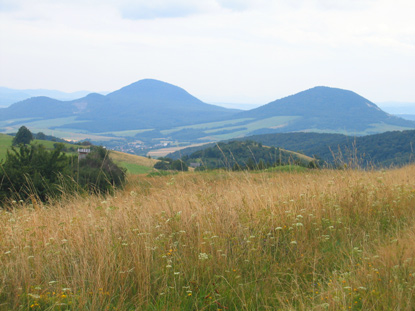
(134, 164)
(5, 143)
(321, 240)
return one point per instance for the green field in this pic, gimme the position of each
(133, 163)
(134, 169)
(5, 143)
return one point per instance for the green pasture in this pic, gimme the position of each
(5, 143)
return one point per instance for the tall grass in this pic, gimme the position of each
(316, 240)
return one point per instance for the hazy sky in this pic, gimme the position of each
(244, 51)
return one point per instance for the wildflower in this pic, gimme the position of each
(203, 256)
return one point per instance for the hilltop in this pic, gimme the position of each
(326, 109)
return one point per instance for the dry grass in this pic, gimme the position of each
(322, 240)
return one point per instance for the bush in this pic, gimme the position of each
(169, 164)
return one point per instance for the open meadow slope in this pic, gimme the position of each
(317, 240)
(5, 143)
(133, 163)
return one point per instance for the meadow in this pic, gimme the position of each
(299, 240)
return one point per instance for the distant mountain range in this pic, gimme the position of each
(146, 104)
(10, 96)
(151, 109)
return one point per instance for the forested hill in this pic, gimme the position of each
(385, 149)
(238, 155)
(389, 148)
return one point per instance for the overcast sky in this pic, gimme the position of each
(242, 51)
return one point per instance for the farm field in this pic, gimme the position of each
(298, 240)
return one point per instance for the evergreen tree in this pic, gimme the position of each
(32, 170)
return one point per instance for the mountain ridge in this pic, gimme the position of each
(144, 104)
(346, 108)
(157, 110)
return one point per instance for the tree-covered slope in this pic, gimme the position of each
(389, 148)
(385, 149)
(244, 155)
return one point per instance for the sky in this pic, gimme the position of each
(248, 52)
